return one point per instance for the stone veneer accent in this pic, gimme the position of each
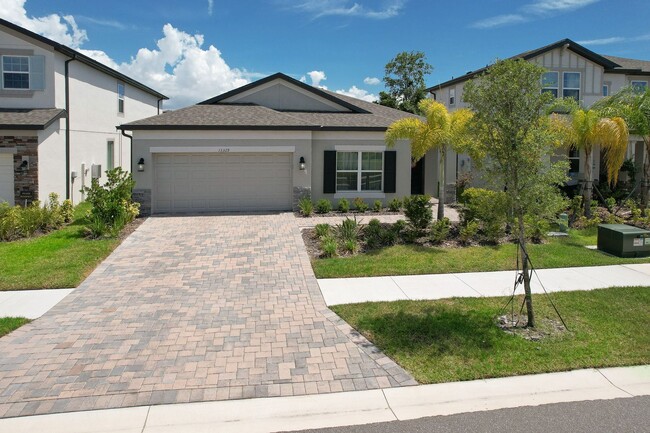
(300, 193)
(143, 196)
(25, 181)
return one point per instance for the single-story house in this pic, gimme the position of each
(263, 146)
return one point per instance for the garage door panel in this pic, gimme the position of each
(7, 178)
(222, 182)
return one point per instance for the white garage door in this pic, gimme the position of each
(7, 178)
(214, 182)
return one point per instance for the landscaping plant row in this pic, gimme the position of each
(324, 206)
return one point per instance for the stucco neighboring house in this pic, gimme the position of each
(58, 115)
(573, 71)
(265, 145)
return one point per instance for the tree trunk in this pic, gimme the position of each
(645, 180)
(524, 256)
(587, 193)
(441, 182)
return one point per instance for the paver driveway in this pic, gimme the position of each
(190, 309)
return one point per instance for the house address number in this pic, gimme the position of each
(223, 150)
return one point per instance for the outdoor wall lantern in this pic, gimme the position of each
(24, 166)
(301, 163)
(141, 164)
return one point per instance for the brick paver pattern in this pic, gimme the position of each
(188, 309)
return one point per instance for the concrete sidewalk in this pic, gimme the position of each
(31, 304)
(348, 408)
(476, 284)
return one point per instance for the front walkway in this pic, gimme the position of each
(190, 309)
(474, 284)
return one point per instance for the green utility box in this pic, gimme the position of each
(623, 241)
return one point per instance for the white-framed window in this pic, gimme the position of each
(359, 171)
(15, 72)
(110, 154)
(551, 83)
(574, 161)
(120, 98)
(639, 85)
(452, 96)
(605, 89)
(571, 85)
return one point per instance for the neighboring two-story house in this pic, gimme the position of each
(573, 71)
(58, 115)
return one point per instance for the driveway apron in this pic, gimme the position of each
(189, 309)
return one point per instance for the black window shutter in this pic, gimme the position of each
(329, 172)
(390, 171)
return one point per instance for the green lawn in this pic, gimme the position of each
(59, 259)
(457, 339)
(411, 260)
(8, 324)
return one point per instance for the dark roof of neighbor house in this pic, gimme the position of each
(29, 118)
(610, 63)
(81, 58)
(216, 114)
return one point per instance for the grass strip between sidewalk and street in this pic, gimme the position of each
(8, 324)
(458, 339)
(416, 260)
(60, 259)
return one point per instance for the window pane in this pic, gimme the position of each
(550, 79)
(16, 81)
(570, 93)
(347, 161)
(370, 181)
(120, 105)
(575, 165)
(15, 64)
(552, 91)
(571, 80)
(640, 86)
(120, 90)
(371, 161)
(605, 90)
(346, 181)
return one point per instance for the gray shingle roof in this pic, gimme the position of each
(29, 118)
(248, 116)
(643, 65)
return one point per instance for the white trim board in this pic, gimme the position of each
(223, 149)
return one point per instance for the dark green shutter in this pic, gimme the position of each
(329, 172)
(390, 171)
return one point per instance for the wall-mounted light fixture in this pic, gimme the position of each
(23, 167)
(141, 164)
(301, 163)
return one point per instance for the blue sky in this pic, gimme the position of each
(195, 49)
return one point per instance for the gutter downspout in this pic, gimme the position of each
(130, 137)
(67, 126)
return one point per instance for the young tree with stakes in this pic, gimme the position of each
(514, 146)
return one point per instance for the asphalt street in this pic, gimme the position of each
(626, 415)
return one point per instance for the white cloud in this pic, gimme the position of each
(106, 23)
(498, 21)
(316, 77)
(323, 8)
(371, 81)
(210, 7)
(355, 92)
(535, 10)
(178, 67)
(62, 29)
(615, 40)
(549, 6)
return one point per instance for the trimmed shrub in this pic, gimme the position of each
(344, 205)
(488, 209)
(377, 206)
(536, 229)
(351, 246)
(112, 207)
(67, 210)
(417, 209)
(440, 230)
(395, 205)
(360, 205)
(9, 222)
(323, 206)
(468, 232)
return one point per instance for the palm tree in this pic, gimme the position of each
(440, 130)
(634, 106)
(584, 129)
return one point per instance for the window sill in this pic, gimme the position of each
(361, 194)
